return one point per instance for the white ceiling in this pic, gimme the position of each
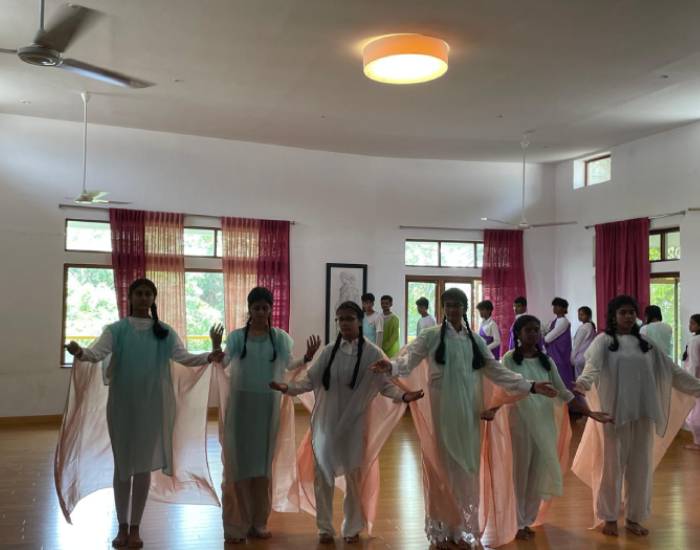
(585, 75)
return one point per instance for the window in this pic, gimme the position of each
(431, 288)
(597, 170)
(664, 292)
(203, 242)
(88, 236)
(444, 253)
(204, 303)
(89, 304)
(665, 244)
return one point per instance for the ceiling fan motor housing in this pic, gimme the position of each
(39, 55)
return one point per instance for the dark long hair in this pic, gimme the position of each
(357, 310)
(694, 317)
(259, 294)
(478, 359)
(158, 329)
(518, 355)
(611, 322)
(588, 312)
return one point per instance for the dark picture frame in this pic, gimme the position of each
(343, 282)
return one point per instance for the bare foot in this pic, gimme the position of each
(352, 540)
(442, 545)
(636, 529)
(529, 531)
(234, 540)
(325, 538)
(610, 528)
(256, 533)
(522, 534)
(692, 447)
(134, 540)
(122, 537)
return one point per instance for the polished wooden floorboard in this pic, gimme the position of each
(30, 516)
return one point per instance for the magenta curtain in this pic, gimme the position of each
(128, 252)
(621, 263)
(273, 267)
(503, 276)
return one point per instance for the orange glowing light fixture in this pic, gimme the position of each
(405, 58)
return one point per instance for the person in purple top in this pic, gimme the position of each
(488, 329)
(557, 341)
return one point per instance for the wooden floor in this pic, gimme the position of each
(30, 516)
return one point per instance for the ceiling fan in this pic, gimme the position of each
(49, 44)
(523, 223)
(86, 196)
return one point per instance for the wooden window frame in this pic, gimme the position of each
(663, 232)
(594, 159)
(439, 253)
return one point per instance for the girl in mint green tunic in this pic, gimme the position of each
(534, 429)
(255, 356)
(141, 401)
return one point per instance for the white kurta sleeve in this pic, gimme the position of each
(306, 384)
(294, 364)
(595, 356)
(411, 358)
(583, 332)
(182, 356)
(694, 354)
(501, 376)
(495, 333)
(390, 390)
(99, 349)
(560, 327)
(683, 381)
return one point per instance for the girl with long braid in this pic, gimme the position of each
(141, 401)
(455, 363)
(254, 356)
(345, 390)
(539, 427)
(634, 381)
(691, 362)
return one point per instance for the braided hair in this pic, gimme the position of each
(357, 310)
(611, 322)
(518, 355)
(158, 329)
(695, 317)
(259, 294)
(457, 295)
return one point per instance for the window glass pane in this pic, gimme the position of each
(654, 247)
(91, 304)
(598, 171)
(219, 243)
(204, 300)
(422, 253)
(664, 293)
(479, 254)
(82, 235)
(457, 254)
(199, 241)
(673, 246)
(418, 289)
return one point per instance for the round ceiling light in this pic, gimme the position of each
(405, 58)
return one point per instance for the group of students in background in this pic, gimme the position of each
(456, 387)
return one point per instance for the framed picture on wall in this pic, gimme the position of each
(344, 282)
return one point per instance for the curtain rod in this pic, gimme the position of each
(106, 208)
(439, 228)
(657, 216)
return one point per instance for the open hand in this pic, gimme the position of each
(546, 389)
(603, 418)
(74, 348)
(383, 366)
(410, 396)
(312, 345)
(216, 356)
(489, 414)
(216, 333)
(279, 387)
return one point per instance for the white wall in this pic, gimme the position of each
(347, 208)
(656, 175)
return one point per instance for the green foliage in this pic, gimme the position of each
(417, 290)
(204, 300)
(421, 253)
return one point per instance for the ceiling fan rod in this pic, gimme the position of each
(86, 98)
(41, 16)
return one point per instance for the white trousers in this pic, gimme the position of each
(353, 519)
(246, 505)
(525, 477)
(627, 455)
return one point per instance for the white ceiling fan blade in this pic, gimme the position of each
(552, 224)
(116, 202)
(499, 221)
(104, 75)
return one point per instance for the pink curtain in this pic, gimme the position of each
(621, 263)
(503, 276)
(240, 263)
(165, 265)
(255, 253)
(273, 267)
(128, 252)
